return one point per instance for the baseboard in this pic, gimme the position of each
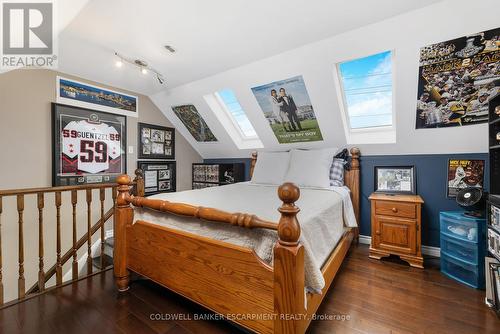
(426, 250)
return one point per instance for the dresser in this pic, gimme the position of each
(396, 227)
(463, 247)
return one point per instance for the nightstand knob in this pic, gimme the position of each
(377, 232)
(394, 210)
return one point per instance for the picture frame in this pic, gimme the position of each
(81, 94)
(159, 176)
(88, 146)
(464, 173)
(155, 142)
(395, 179)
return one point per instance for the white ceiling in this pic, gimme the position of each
(210, 36)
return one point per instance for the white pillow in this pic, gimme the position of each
(310, 168)
(271, 167)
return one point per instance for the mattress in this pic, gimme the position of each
(324, 216)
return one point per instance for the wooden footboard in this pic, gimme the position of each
(230, 280)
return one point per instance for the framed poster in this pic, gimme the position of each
(194, 123)
(288, 110)
(88, 146)
(457, 79)
(464, 174)
(395, 179)
(84, 95)
(155, 142)
(159, 177)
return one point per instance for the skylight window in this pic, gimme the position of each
(229, 100)
(233, 118)
(367, 91)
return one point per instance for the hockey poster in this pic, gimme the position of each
(457, 79)
(464, 174)
(88, 146)
(288, 109)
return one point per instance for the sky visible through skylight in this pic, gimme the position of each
(238, 113)
(367, 84)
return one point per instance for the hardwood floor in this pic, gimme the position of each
(373, 296)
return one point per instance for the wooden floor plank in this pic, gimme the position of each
(374, 296)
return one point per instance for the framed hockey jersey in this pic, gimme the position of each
(88, 145)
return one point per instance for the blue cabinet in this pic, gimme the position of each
(462, 247)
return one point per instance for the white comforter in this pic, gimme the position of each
(323, 217)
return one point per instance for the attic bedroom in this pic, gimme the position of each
(249, 166)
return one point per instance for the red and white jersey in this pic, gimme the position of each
(94, 144)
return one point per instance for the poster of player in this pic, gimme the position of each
(288, 109)
(88, 146)
(457, 79)
(464, 174)
(193, 121)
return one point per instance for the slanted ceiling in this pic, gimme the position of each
(213, 37)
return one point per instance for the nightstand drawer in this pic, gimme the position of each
(397, 209)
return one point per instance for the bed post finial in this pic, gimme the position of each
(253, 162)
(355, 158)
(123, 217)
(288, 265)
(139, 182)
(288, 227)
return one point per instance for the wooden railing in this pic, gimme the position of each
(61, 258)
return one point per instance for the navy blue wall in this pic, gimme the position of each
(431, 171)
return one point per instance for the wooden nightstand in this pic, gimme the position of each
(396, 227)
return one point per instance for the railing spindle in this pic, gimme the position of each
(74, 200)
(1, 278)
(89, 234)
(41, 272)
(58, 241)
(21, 282)
(102, 197)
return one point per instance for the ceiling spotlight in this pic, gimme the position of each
(140, 64)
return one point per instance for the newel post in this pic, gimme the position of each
(123, 217)
(288, 265)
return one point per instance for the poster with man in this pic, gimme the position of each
(288, 110)
(457, 79)
(464, 174)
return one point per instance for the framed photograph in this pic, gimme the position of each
(463, 173)
(88, 146)
(84, 95)
(156, 142)
(395, 179)
(159, 177)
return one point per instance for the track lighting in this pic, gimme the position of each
(141, 65)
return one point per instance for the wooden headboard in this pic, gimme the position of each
(351, 178)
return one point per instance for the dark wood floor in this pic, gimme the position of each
(373, 296)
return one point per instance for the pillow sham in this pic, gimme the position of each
(337, 172)
(310, 168)
(270, 167)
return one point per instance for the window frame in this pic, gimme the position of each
(232, 118)
(372, 134)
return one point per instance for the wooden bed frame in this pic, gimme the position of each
(227, 279)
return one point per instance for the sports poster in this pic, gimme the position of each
(288, 109)
(464, 174)
(88, 146)
(457, 79)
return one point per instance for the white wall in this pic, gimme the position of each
(403, 34)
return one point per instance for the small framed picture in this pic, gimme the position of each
(155, 142)
(464, 173)
(395, 179)
(158, 176)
